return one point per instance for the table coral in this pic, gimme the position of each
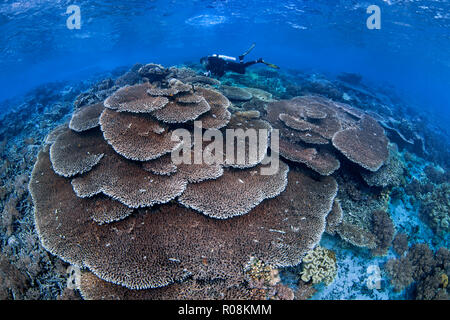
(313, 129)
(133, 206)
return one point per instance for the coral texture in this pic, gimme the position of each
(334, 218)
(366, 145)
(129, 228)
(135, 99)
(319, 265)
(383, 229)
(389, 175)
(312, 128)
(235, 192)
(236, 93)
(135, 136)
(86, 117)
(435, 208)
(429, 270)
(159, 248)
(73, 153)
(400, 243)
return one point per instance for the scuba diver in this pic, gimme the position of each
(219, 64)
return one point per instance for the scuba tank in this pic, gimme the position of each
(224, 57)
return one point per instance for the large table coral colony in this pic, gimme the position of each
(108, 198)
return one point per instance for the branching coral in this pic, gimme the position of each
(435, 208)
(429, 270)
(13, 283)
(383, 229)
(401, 272)
(400, 243)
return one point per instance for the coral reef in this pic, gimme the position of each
(401, 272)
(216, 231)
(124, 165)
(435, 208)
(358, 205)
(334, 218)
(430, 193)
(72, 153)
(130, 77)
(365, 145)
(357, 235)
(25, 125)
(12, 281)
(236, 93)
(152, 72)
(262, 282)
(436, 175)
(155, 272)
(311, 126)
(137, 137)
(383, 229)
(234, 193)
(93, 288)
(390, 174)
(428, 270)
(400, 243)
(86, 117)
(135, 99)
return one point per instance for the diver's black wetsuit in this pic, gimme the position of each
(218, 66)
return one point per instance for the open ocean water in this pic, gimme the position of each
(355, 96)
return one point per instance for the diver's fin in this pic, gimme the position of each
(247, 52)
(271, 65)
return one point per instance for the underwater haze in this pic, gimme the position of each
(354, 98)
(410, 52)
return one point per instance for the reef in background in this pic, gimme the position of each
(374, 206)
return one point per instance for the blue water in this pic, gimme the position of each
(410, 52)
(409, 57)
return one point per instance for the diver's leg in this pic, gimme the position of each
(271, 65)
(241, 57)
(250, 63)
